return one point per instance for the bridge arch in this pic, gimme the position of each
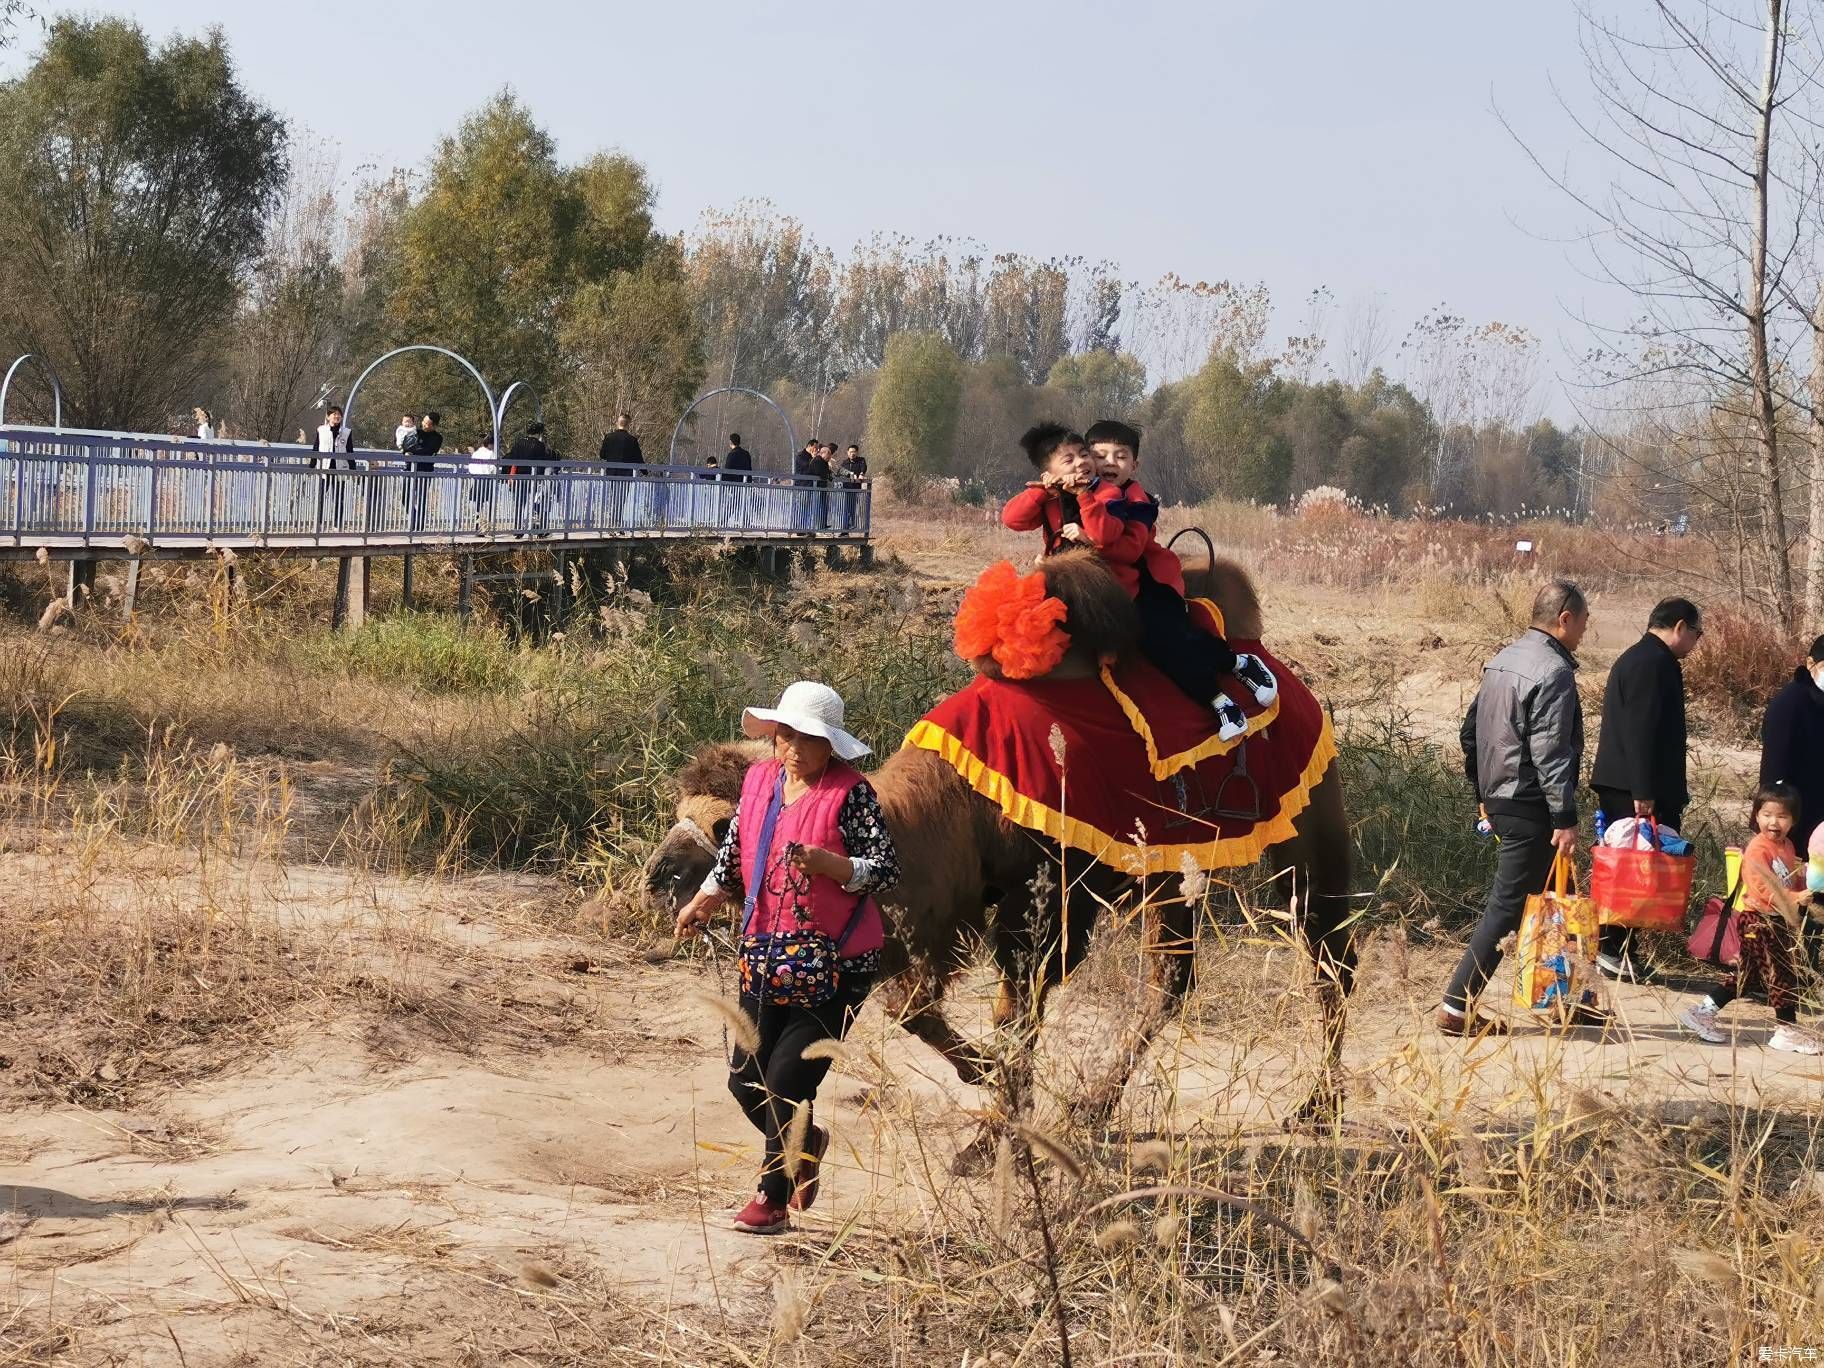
(506, 398)
(49, 374)
(791, 437)
(348, 405)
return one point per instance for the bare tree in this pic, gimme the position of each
(289, 329)
(1365, 338)
(1700, 222)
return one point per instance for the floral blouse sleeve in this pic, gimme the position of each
(864, 836)
(725, 873)
(869, 843)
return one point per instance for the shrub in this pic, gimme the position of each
(1739, 666)
(1414, 820)
(436, 653)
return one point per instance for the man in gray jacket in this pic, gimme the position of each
(1522, 750)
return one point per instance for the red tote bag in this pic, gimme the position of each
(1717, 937)
(1644, 888)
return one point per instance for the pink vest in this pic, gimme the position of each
(811, 821)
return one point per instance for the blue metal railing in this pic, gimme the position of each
(79, 488)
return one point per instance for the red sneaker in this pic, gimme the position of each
(761, 1217)
(810, 1167)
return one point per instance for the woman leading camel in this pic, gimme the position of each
(806, 852)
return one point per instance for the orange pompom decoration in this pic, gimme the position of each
(1011, 618)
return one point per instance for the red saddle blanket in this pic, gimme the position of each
(1128, 770)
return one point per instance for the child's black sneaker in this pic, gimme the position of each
(1252, 671)
(1231, 721)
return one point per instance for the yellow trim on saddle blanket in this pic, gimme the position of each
(1165, 767)
(1230, 852)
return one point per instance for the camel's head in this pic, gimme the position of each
(708, 788)
(1069, 614)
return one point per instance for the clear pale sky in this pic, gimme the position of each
(1334, 142)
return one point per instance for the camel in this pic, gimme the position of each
(969, 876)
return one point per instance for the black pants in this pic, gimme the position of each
(770, 1085)
(1614, 806)
(1523, 861)
(1176, 646)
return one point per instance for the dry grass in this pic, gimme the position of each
(1474, 1209)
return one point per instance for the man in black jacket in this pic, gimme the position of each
(737, 457)
(804, 472)
(854, 469)
(420, 445)
(1640, 751)
(621, 447)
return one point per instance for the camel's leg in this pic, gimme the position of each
(915, 1001)
(1035, 949)
(1169, 950)
(1319, 857)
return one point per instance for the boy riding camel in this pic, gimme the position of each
(1086, 495)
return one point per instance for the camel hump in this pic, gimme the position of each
(1208, 575)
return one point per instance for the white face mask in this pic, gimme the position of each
(1817, 675)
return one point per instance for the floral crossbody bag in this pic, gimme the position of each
(801, 967)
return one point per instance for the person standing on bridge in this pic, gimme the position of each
(407, 426)
(621, 447)
(205, 425)
(737, 458)
(332, 437)
(804, 476)
(423, 444)
(526, 467)
(854, 470)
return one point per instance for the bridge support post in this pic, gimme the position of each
(351, 594)
(129, 600)
(562, 588)
(465, 593)
(867, 555)
(405, 582)
(81, 584)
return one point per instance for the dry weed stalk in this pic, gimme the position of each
(740, 1025)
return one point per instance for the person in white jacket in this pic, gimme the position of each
(332, 436)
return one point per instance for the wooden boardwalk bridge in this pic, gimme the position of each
(86, 496)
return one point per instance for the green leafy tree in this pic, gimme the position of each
(912, 419)
(137, 183)
(610, 201)
(1101, 384)
(635, 347)
(1229, 426)
(482, 257)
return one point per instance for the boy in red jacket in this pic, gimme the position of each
(1051, 504)
(1092, 499)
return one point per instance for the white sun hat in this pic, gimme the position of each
(811, 708)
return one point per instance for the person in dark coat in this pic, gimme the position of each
(1792, 741)
(1792, 752)
(420, 446)
(1640, 750)
(737, 458)
(804, 472)
(621, 447)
